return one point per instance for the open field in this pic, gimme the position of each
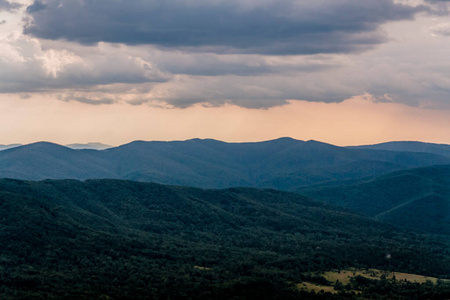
(313, 287)
(344, 277)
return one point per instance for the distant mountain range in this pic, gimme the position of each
(440, 149)
(284, 163)
(94, 146)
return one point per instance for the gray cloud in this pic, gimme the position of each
(86, 100)
(409, 73)
(232, 26)
(27, 66)
(36, 6)
(254, 91)
(8, 6)
(2, 22)
(209, 64)
(143, 75)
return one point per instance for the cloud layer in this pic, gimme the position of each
(252, 53)
(221, 26)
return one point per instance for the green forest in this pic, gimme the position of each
(114, 239)
(416, 199)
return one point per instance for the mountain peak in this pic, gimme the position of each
(42, 144)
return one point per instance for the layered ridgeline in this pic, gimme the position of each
(410, 146)
(95, 146)
(415, 198)
(283, 164)
(111, 239)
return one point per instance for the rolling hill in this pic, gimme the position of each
(46, 160)
(409, 146)
(416, 198)
(112, 239)
(283, 163)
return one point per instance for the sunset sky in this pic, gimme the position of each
(345, 72)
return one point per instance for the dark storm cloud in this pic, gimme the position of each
(6, 5)
(262, 27)
(35, 7)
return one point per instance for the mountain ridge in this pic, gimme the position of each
(283, 163)
(411, 146)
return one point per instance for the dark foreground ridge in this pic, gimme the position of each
(282, 164)
(417, 199)
(112, 239)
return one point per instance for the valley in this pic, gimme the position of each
(125, 240)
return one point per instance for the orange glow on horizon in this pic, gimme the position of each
(355, 121)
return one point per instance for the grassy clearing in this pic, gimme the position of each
(344, 277)
(312, 287)
(202, 268)
(413, 277)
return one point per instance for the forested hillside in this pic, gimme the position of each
(416, 198)
(115, 239)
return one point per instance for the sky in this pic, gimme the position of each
(346, 72)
